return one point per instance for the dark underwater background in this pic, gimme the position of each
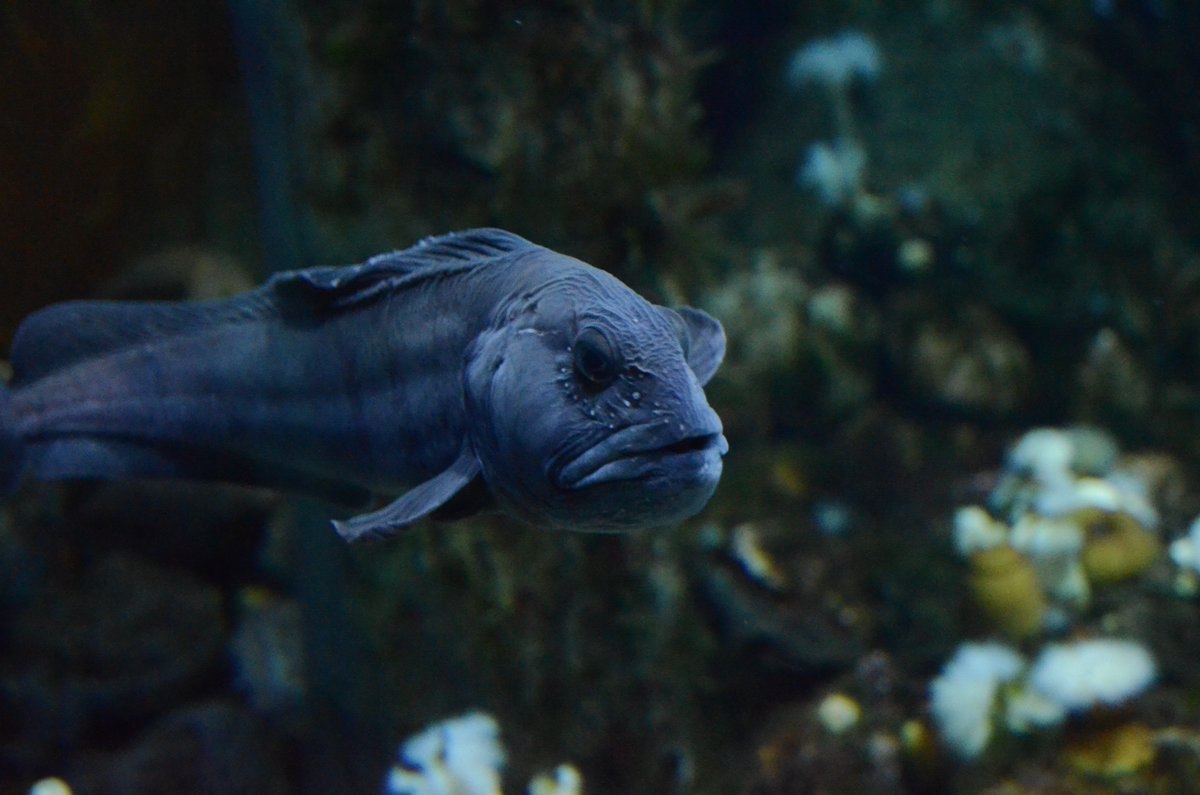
(1000, 234)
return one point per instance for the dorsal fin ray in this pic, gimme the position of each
(432, 257)
(64, 334)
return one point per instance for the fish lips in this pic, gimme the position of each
(663, 450)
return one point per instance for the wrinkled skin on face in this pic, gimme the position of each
(587, 408)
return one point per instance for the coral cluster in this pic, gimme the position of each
(1069, 515)
(463, 756)
(985, 684)
(1066, 517)
(962, 698)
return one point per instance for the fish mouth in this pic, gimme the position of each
(659, 450)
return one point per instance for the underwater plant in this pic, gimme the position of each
(835, 169)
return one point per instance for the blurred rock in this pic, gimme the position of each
(179, 273)
(116, 647)
(776, 631)
(968, 361)
(210, 748)
(1114, 386)
(267, 649)
(762, 309)
(797, 753)
(210, 529)
(800, 357)
(101, 154)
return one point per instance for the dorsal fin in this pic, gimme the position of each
(432, 257)
(64, 334)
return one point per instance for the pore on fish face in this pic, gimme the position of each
(590, 415)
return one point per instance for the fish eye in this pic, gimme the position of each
(595, 356)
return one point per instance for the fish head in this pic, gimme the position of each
(587, 410)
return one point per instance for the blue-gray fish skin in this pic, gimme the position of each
(472, 370)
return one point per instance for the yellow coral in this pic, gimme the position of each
(1112, 751)
(1117, 547)
(788, 477)
(1006, 588)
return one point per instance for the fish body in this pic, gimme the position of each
(471, 370)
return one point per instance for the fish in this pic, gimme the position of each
(474, 371)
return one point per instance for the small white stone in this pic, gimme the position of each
(566, 780)
(746, 548)
(838, 713)
(915, 255)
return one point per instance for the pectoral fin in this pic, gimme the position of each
(434, 495)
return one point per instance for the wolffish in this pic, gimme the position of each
(473, 370)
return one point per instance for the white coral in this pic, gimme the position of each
(834, 170)
(1185, 552)
(836, 60)
(963, 698)
(460, 756)
(1101, 671)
